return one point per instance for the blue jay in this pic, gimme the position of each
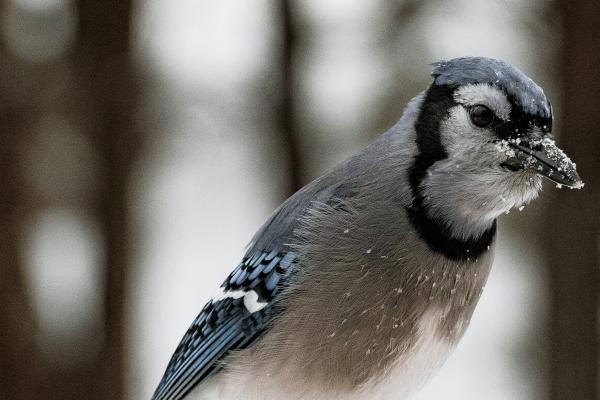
(361, 284)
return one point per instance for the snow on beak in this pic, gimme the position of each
(544, 157)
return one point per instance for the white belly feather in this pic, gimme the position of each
(407, 375)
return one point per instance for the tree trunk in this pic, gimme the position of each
(285, 115)
(102, 58)
(19, 360)
(573, 223)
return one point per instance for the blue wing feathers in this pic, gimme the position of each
(271, 255)
(272, 281)
(199, 367)
(225, 324)
(179, 369)
(271, 265)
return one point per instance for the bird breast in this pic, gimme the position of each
(380, 338)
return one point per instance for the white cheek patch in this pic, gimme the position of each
(482, 93)
(251, 301)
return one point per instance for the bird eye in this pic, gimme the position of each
(481, 116)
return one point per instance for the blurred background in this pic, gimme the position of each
(142, 144)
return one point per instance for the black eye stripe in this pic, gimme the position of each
(523, 119)
(521, 124)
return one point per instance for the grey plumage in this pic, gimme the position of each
(362, 282)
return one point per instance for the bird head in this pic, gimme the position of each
(484, 138)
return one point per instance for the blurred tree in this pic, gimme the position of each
(573, 223)
(102, 59)
(407, 77)
(19, 360)
(285, 115)
(21, 372)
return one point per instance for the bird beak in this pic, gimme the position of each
(545, 158)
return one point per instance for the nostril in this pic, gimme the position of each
(533, 142)
(536, 135)
(535, 145)
(511, 165)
